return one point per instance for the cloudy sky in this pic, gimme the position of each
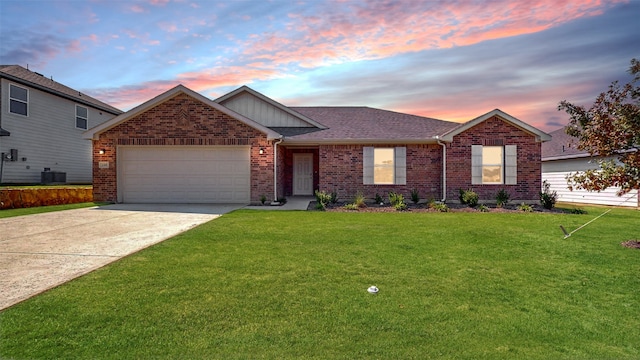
(451, 60)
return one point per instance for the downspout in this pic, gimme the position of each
(275, 170)
(444, 168)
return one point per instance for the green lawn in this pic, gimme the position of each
(43, 209)
(275, 285)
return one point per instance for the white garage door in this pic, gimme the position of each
(184, 174)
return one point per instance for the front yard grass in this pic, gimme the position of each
(275, 284)
(44, 209)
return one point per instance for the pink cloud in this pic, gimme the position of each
(352, 31)
(136, 9)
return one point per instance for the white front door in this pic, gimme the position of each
(302, 174)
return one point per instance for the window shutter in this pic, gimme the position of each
(367, 165)
(476, 164)
(400, 162)
(511, 164)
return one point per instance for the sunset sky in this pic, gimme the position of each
(451, 60)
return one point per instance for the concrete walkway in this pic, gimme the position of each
(39, 252)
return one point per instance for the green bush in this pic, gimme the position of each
(358, 200)
(525, 207)
(378, 199)
(502, 198)
(469, 197)
(351, 207)
(334, 197)
(483, 208)
(397, 201)
(548, 198)
(263, 199)
(442, 207)
(322, 199)
(415, 196)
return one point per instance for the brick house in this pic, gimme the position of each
(183, 147)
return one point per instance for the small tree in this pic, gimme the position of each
(610, 128)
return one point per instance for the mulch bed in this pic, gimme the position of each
(632, 244)
(419, 208)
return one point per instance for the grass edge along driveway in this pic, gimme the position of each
(257, 284)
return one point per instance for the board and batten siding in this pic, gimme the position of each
(262, 112)
(46, 138)
(555, 172)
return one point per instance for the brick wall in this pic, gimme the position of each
(181, 121)
(340, 170)
(494, 129)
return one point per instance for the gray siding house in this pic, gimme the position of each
(560, 158)
(41, 126)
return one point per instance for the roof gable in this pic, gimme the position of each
(18, 74)
(539, 135)
(265, 110)
(94, 132)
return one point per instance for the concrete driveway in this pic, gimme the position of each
(39, 252)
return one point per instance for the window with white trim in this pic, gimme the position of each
(384, 165)
(494, 164)
(82, 117)
(18, 100)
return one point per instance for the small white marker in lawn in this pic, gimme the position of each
(372, 289)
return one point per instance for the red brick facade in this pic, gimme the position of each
(181, 121)
(491, 131)
(341, 170)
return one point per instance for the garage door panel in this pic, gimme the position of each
(191, 175)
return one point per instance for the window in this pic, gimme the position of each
(384, 166)
(18, 100)
(82, 117)
(494, 164)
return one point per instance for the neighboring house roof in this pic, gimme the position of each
(369, 125)
(94, 132)
(268, 100)
(18, 74)
(540, 135)
(562, 146)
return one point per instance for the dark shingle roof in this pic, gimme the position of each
(21, 75)
(561, 145)
(365, 123)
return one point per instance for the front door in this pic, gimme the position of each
(302, 174)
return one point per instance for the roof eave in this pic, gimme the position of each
(60, 94)
(373, 141)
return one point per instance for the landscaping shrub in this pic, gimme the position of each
(397, 201)
(322, 199)
(548, 198)
(415, 196)
(442, 207)
(502, 198)
(358, 201)
(469, 197)
(378, 199)
(483, 208)
(525, 207)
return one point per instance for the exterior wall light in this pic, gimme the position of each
(102, 151)
(261, 151)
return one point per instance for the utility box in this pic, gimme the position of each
(53, 177)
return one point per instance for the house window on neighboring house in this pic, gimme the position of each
(18, 100)
(384, 166)
(494, 164)
(82, 117)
